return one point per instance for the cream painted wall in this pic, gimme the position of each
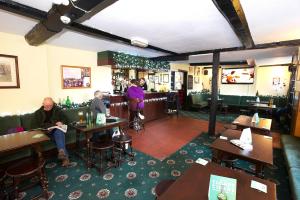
(32, 64)
(40, 74)
(186, 67)
(57, 56)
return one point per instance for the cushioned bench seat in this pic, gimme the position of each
(291, 149)
(294, 177)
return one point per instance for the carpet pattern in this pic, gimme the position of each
(137, 179)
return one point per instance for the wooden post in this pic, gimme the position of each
(214, 94)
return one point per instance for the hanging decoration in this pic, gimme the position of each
(122, 60)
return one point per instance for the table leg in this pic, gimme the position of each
(259, 170)
(216, 156)
(88, 137)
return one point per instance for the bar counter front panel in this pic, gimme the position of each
(155, 106)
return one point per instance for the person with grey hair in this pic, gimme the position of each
(97, 105)
(51, 115)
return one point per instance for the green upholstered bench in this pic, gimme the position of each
(199, 100)
(25, 121)
(291, 148)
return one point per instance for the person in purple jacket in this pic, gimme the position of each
(136, 95)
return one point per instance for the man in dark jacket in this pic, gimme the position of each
(50, 115)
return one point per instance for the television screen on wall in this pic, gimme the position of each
(243, 75)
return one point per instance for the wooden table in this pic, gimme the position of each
(261, 154)
(88, 133)
(264, 125)
(263, 106)
(194, 184)
(17, 141)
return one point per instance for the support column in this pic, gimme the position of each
(214, 94)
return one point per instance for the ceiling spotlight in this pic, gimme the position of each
(65, 19)
(140, 42)
(63, 2)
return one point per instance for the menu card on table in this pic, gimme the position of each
(222, 188)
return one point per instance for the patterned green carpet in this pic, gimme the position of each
(137, 179)
(228, 118)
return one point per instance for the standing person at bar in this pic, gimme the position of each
(135, 95)
(143, 84)
(51, 115)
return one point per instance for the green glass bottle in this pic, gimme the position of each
(68, 102)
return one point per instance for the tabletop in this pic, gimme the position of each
(246, 121)
(194, 184)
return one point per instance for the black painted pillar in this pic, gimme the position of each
(214, 94)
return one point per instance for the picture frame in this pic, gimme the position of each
(151, 77)
(166, 78)
(74, 77)
(276, 81)
(156, 79)
(9, 72)
(196, 79)
(190, 82)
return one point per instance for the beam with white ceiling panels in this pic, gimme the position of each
(37, 14)
(234, 14)
(47, 28)
(185, 56)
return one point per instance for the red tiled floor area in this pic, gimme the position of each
(163, 137)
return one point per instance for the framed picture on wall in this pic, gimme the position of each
(9, 71)
(151, 77)
(190, 82)
(196, 79)
(156, 79)
(75, 77)
(166, 78)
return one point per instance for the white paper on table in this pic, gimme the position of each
(201, 161)
(223, 138)
(246, 136)
(259, 186)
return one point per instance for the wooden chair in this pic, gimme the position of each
(3, 192)
(162, 186)
(102, 147)
(26, 169)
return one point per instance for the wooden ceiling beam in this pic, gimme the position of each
(185, 56)
(233, 12)
(241, 62)
(37, 14)
(46, 28)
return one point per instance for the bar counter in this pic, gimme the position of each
(155, 105)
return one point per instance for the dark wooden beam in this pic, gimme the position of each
(242, 62)
(107, 36)
(46, 28)
(185, 56)
(274, 65)
(234, 14)
(214, 94)
(37, 14)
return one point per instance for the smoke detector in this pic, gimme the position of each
(140, 42)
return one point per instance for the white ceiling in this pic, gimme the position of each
(272, 20)
(175, 25)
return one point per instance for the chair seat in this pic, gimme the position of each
(25, 167)
(102, 145)
(122, 139)
(162, 186)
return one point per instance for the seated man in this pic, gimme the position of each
(97, 106)
(51, 115)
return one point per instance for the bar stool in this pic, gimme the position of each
(135, 121)
(162, 186)
(120, 142)
(101, 147)
(25, 169)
